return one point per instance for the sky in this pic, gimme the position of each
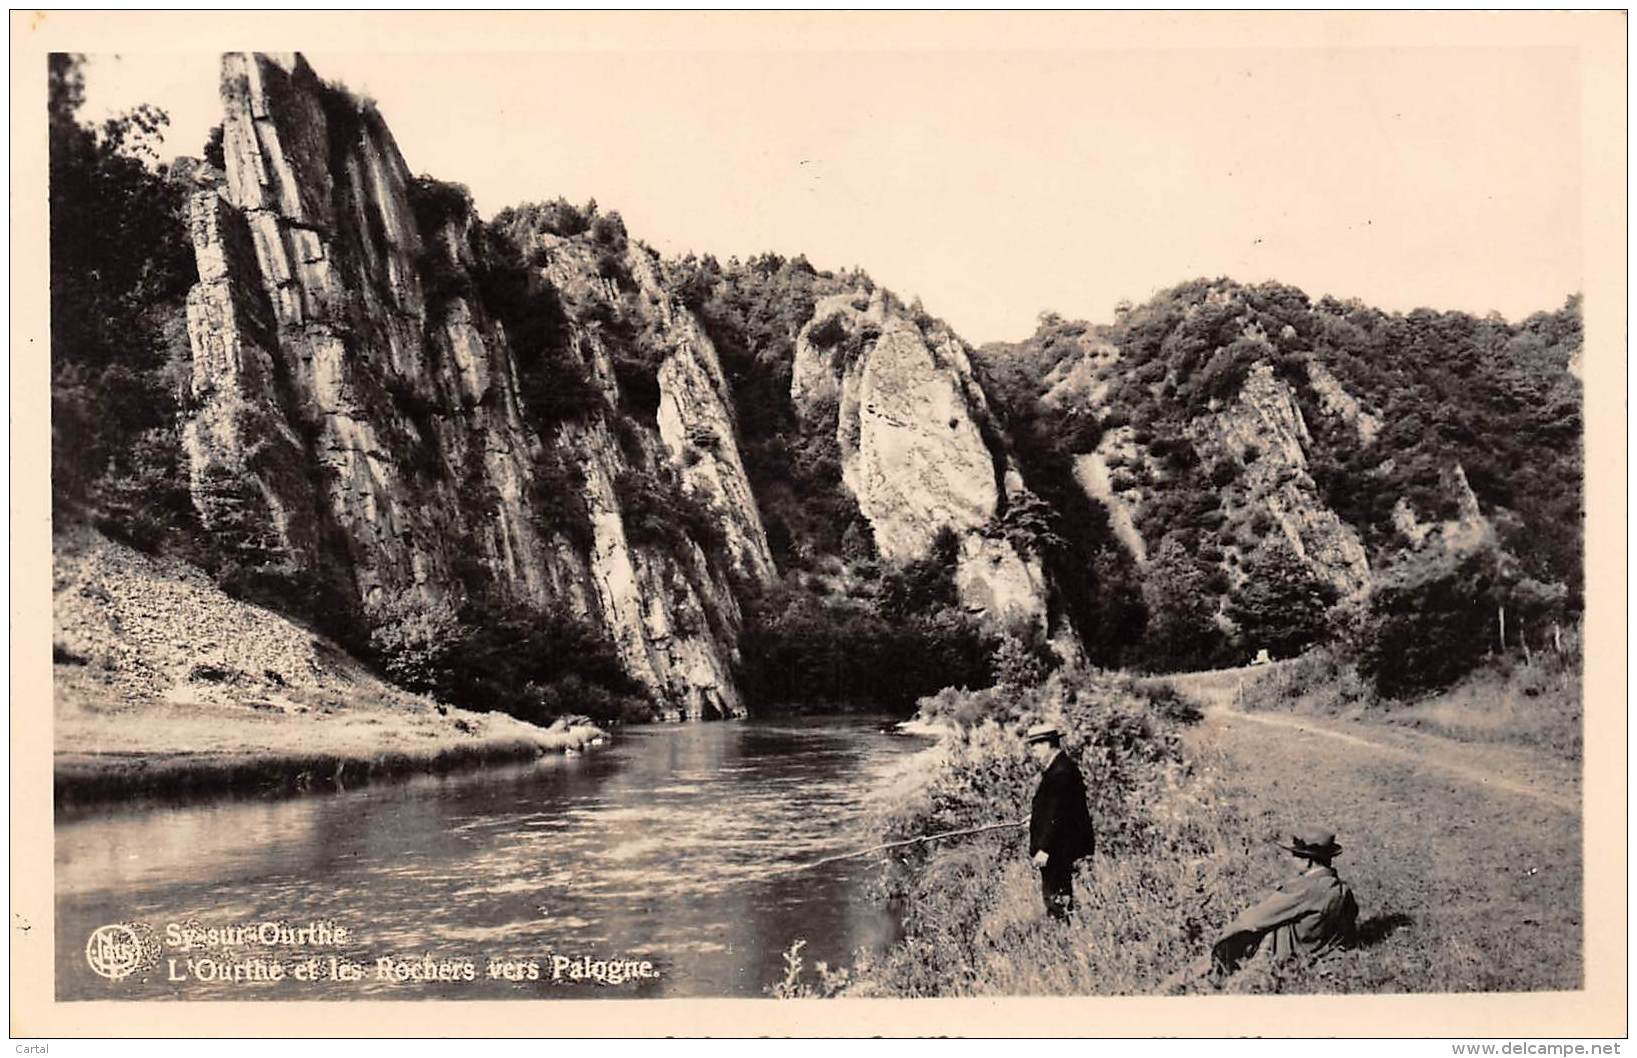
(996, 185)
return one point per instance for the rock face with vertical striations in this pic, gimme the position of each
(920, 451)
(363, 413)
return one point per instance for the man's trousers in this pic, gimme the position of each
(1057, 886)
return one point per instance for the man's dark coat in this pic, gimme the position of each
(1060, 822)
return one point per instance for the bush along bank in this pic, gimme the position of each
(1170, 868)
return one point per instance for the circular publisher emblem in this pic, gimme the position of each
(115, 951)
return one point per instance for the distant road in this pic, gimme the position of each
(1218, 688)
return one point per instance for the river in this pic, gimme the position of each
(655, 848)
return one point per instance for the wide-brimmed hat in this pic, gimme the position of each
(1318, 844)
(1042, 733)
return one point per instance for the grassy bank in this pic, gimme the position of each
(163, 686)
(1461, 886)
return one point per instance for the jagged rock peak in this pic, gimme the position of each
(379, 399)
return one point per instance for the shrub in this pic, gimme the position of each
(1282, 605)
(973, 923)
(1181, 597)
(1429, 622)
(558, 217)
(803, 647)
(611, 265)
(859, 342)
(436, 203)
(557, 498)
(488, 656)
(638, 378)
(829, 332)
(926, 584)
(1023, 658)
(212, 150)
(442, 281)
(415, 640)
(826, 982)
(660, 511)
(1030, 525)
(608, 231)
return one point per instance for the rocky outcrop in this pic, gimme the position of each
(911, 450)
(373, 414)
(1468, 531)
(920, 451)
(697, 426)
(1091, 471)
(1262, 429)
(997, 581)
(357, 405)
(1337, 402)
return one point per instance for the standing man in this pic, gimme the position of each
(1060, 829)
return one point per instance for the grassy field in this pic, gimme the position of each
(1464, 857)
(1463, 885)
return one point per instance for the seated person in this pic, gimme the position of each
(1307, 915)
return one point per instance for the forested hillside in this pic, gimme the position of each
(1271, 456)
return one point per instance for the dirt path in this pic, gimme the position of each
(1501, 767)
(1465, 858)
(1496, 767)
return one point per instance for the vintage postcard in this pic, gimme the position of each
(771, 520)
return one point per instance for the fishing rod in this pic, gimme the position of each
(897, 845)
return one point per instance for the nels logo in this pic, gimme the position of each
(118, 951)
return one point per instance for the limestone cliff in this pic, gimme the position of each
(920, 450)
(359, 404)
(525, 462)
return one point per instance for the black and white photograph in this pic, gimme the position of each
(821, 506)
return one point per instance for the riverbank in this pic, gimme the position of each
(164, 686)
(163, 751)
(1480, 895)
(973, 922)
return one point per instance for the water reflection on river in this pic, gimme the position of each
(655, 848)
